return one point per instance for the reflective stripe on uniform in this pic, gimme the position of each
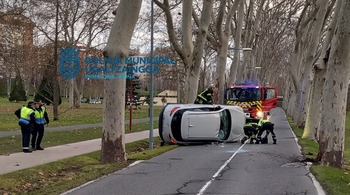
(39, 117)
(25, 115)
(261, 122)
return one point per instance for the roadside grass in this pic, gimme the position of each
(12, 144)
(333, 180)
(60, 176)
(87, 114)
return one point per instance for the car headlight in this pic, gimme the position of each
(260, 114)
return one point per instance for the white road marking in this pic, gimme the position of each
(219, 171)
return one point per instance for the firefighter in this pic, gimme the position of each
(26, 121)
(250, 131)
(265, 125)
(206, 96)
(41, 119)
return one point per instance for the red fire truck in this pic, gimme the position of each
(255, 99)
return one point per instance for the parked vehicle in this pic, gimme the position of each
(198, 123)
(256, 100)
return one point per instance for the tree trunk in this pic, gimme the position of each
(9, 86)
(332, 126)
(238, 36)
(192, 76)
(310, 58)
(348, 100)
(222, 46)
(191, 56)
(71, 93)
(113, 144)
(193, 72)
(289, 97)
(221, 69)
(313, 115)
(297, 59)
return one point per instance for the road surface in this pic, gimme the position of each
(228, 168)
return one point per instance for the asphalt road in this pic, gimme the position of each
(229, 168)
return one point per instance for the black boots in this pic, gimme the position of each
(243, 140)
(27, 151)
(37, 148)
(264, 140)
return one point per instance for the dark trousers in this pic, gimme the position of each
(25, 129)
(37, 136)
(268, 127)
(249, 131)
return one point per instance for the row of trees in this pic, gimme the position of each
(308, 38)
(299, 46)
(319, 79)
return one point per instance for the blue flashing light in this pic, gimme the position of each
(249, 82)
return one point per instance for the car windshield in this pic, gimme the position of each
(243, 94)
(225, 125)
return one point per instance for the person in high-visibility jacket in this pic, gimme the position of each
(26, 121)
(250, 131)
(206, 96)
(265, 125)
(41, 119)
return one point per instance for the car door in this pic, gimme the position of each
(202, 125)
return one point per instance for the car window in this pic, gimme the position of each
(225, 125)
(176, 125)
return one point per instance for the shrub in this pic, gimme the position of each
(18, 93)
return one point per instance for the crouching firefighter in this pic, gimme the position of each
(265, 125)
(250, 131)
(206, 96)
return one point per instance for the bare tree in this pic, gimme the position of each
(113, 143)
(237, 40)
(313, 105)
(189, 54)
(223, 32)
(81, 23)
(332, 127)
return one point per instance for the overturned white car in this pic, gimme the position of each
(197, 123)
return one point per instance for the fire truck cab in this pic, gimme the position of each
(256, 100)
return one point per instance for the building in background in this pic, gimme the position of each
(16, 49)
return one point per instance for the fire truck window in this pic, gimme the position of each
(270, 93)
(244, 94)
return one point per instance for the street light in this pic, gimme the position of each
(257, 68)
(151, 140)
(236, 61)
(243, 49)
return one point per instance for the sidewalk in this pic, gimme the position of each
(18, 161)
(73, 127)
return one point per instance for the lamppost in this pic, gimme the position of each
(236, 62)
(151, 88)
(243, 49)
(257, 68)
